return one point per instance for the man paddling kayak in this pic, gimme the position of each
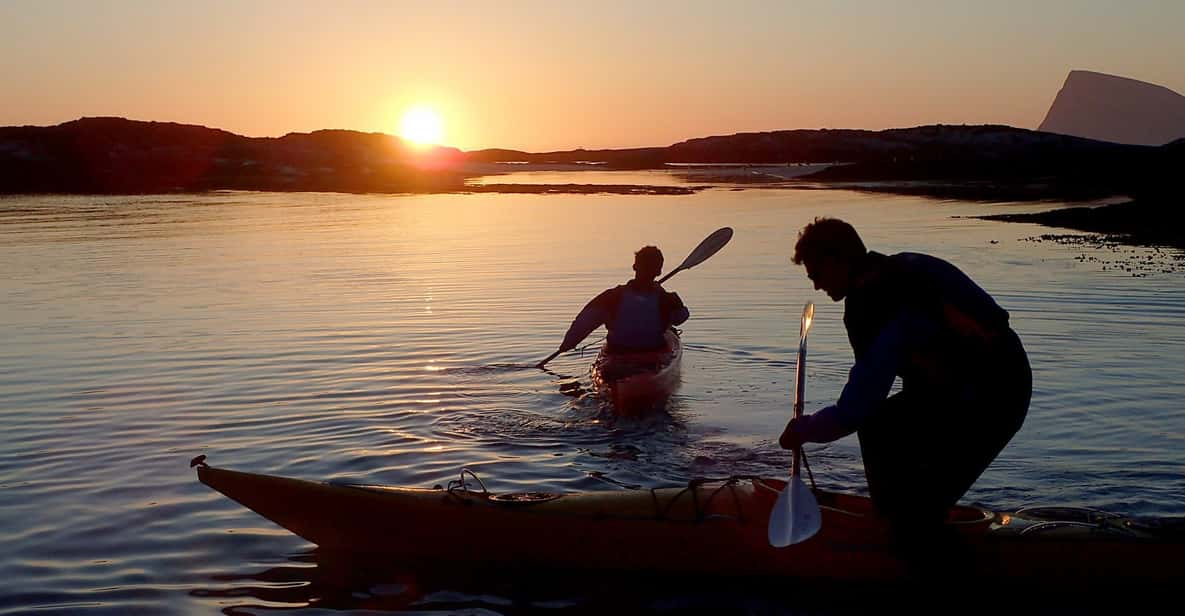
(965, 377)
(636, 314)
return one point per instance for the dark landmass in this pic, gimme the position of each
(1146, 223)
(1112, 231)
(118, 156)
(584, 189)
(1117, 109)
(114, 155)
(997, 163)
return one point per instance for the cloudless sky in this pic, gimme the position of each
(556, 74)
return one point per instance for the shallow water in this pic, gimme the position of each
(387, 339)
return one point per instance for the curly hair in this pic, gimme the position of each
(828, 238)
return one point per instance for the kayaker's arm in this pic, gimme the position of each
(674, 309)
(869, 383)
(593, 315)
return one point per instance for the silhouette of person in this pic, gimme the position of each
(965, 377)
(636, 314)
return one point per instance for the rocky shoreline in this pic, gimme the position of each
(582, 189)
(1140, 238)
(1155, 223)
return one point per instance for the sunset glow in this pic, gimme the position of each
(422, 126)
(629, 75)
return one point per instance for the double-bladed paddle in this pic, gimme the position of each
(710, 246)
(795, 516)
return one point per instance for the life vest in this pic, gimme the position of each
(637, 320)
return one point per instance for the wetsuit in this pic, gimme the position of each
(965, 384)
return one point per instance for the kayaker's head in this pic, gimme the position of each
(831, 250)
(647, 264)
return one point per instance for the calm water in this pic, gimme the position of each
(382, 339)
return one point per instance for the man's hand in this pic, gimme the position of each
(790, 438)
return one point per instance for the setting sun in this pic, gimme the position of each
(422, 126)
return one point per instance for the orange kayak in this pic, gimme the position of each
(635, 383)
(713, 528)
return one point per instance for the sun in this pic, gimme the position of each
(422, 126)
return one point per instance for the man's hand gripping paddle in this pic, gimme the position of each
(796, 516)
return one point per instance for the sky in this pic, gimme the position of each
(557, 74)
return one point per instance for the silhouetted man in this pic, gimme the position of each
(636, 313)
(965, 377)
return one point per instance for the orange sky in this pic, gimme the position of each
(547, 75)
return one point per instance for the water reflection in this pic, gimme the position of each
(289, 334)
(328, 581)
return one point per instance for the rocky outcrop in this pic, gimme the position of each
(1116, 109)
(1153, 222)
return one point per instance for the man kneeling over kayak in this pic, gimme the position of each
(636, 313)
(965, 378)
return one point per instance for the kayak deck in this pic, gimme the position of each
(634, 383)
(715, 528)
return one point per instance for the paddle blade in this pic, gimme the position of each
(795, 517)
(710, 246)
(808, 317)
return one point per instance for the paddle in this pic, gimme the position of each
(710, 246)
(795, 516)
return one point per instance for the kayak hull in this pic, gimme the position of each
(714, 528)
(635, 383)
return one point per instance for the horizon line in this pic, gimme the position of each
(573, 149)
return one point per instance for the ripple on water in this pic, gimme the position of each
(387, 339)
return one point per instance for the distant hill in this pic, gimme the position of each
(996, 162)
(982, 161)
(924, 151)
(115, 155)
(1116, 109)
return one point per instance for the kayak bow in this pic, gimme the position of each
(638, 382)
